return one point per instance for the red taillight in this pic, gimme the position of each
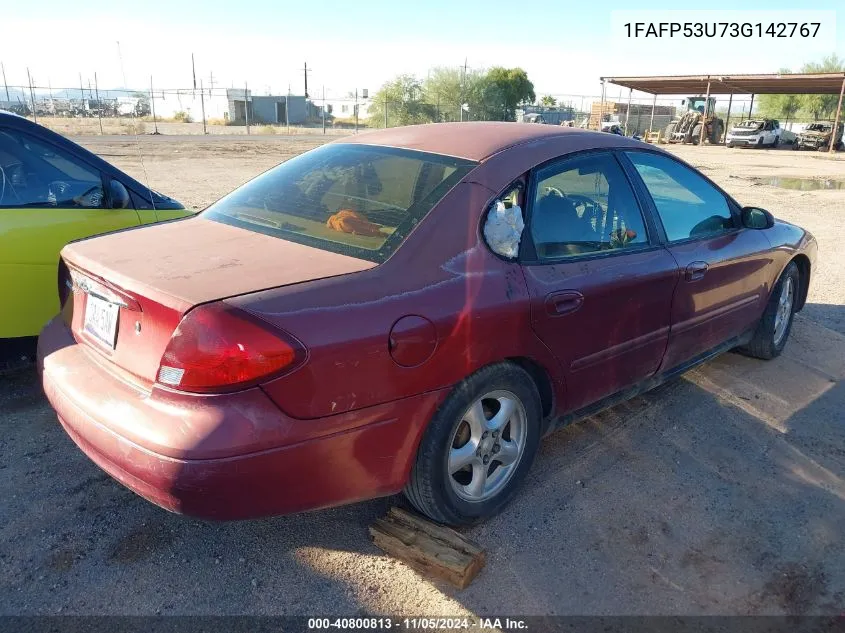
(218, 347)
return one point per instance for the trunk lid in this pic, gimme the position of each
(157, 273)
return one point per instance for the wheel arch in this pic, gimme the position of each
(542, 379)
(804, 269)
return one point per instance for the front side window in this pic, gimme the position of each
(358, 200)
(585, 205)
(36, 174)
(688, 205)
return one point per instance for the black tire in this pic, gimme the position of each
(763, 344)
(776, 142)
(429, 488)
(696, 134)
(716, 133)
(795, 146)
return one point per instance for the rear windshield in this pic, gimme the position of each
(358, 200)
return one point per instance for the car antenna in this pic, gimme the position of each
(135, 129)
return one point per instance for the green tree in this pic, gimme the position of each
(780, 106)
(444, 88)
(822, 106)
(548, 101)
(403, 99)
(500, 91)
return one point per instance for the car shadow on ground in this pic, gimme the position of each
(722, 492)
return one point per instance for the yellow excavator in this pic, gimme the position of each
(687, 127)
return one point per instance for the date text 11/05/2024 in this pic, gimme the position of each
(722, 29)
(419, 624)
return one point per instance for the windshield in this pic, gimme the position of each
(358, 200)
(751, 124)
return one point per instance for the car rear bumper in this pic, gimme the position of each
(282, 465)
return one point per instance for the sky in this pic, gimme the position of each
(361, 44)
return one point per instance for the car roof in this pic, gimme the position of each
(476, 140)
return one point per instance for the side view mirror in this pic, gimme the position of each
(756, 218)
(118, 194)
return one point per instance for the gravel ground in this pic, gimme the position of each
(723, 492)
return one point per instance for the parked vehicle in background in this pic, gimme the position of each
(686, 128)
(817, 136)
(52, 191)
(408, 309)
(755, 133)
(611, 127)
(543, 114)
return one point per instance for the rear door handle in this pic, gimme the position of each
(559, 303)
(696, 271)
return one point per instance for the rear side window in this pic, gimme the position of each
(357, 200)
(688, 205)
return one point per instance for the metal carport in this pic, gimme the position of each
(788, 83)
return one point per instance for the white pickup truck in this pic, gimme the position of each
(755, 133)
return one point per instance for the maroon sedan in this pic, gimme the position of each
(410, 309)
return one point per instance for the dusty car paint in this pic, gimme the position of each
(351, 405)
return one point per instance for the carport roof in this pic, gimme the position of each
(815, 83)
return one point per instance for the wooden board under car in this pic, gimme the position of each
(431, 549)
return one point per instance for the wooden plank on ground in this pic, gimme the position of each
(431, 549)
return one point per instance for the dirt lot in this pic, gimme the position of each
(723, 492)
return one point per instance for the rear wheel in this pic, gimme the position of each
(773, 329)
(478, 447)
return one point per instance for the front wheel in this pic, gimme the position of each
(478, 447)
(773, 329)
(776, 142)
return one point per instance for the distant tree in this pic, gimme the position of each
(548, 101)
(403, 98)
(780, 106)
(444, 88)
(822, 106)
(502, 90)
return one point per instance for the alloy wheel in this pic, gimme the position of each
(487, 446)
(784, 309)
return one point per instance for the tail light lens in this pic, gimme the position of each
(218, 348)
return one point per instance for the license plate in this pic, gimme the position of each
(101, 319)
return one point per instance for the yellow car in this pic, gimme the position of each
(52, 191)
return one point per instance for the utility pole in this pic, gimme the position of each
(153, 105)
(202, 105)
(32, 96)
(463, 80)
(5, 85)
(287, 110)
(194, 74)
(356, 110)
(324, 109)
(99, 105)
(306, 80)
(82, 94)
(211, 83)
(246, 107)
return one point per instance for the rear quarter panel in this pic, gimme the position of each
(477, 303)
